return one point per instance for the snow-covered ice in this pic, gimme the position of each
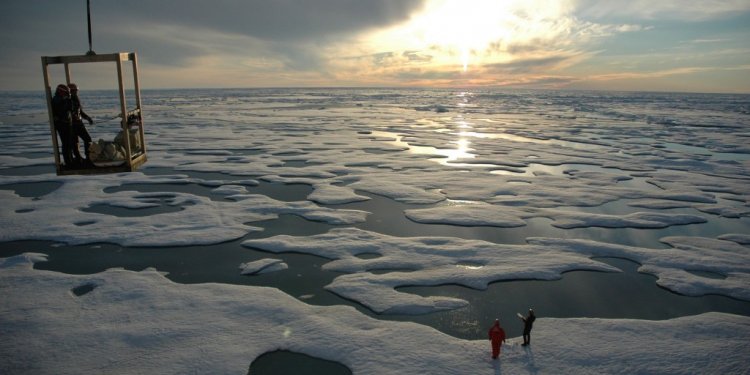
(263, 266)
(659, 179)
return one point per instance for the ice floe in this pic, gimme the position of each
(425, 261)
(262, 266)
(200, 219)
(742, 239)
(470, 215)
(634, 220)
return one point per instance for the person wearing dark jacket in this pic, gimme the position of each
(62, 109)
(79, 130)
(528, 322)
(497, 338)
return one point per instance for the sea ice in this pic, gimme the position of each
(262, 266)
(200, 220)
(742, 239)
(567, 157)
(469, 214)
(425, 261)
(634, 220)
(140, 322)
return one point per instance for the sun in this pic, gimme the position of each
(457, 30)
(466, 23)
(469, 42)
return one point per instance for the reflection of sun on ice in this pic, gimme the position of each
(447, 155)
(463, 148)
(460, 152)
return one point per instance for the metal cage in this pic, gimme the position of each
(131, 120)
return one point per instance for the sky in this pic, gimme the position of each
(638, 45)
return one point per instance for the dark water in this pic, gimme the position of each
(28, 171)
(383, 220)
(578, 294)
(35, 189)
(282, 362)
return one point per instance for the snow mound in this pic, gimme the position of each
(262, 266)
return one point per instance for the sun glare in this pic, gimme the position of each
(470, 24)
(464, 34)
(465, 28)
(460, 30)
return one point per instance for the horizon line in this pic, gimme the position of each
(443, 88)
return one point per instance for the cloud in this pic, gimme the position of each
(426, 75)
(400, 69)
(376, 42)
(417, 56)
(270, 20)
(715, 40)
(681, 10)
(174, 33)
(664, 72)
(296, 34)
(280, 19)
(529, 43)
(522, 66)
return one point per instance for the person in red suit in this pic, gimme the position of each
(497, 338)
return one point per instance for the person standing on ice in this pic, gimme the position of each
(497, 338)
(79, 130)
(62, 113)
(528, 322)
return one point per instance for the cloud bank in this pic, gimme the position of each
(230, 43)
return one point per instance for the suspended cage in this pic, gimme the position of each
(127, 151)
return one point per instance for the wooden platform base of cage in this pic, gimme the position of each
(135, 163)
